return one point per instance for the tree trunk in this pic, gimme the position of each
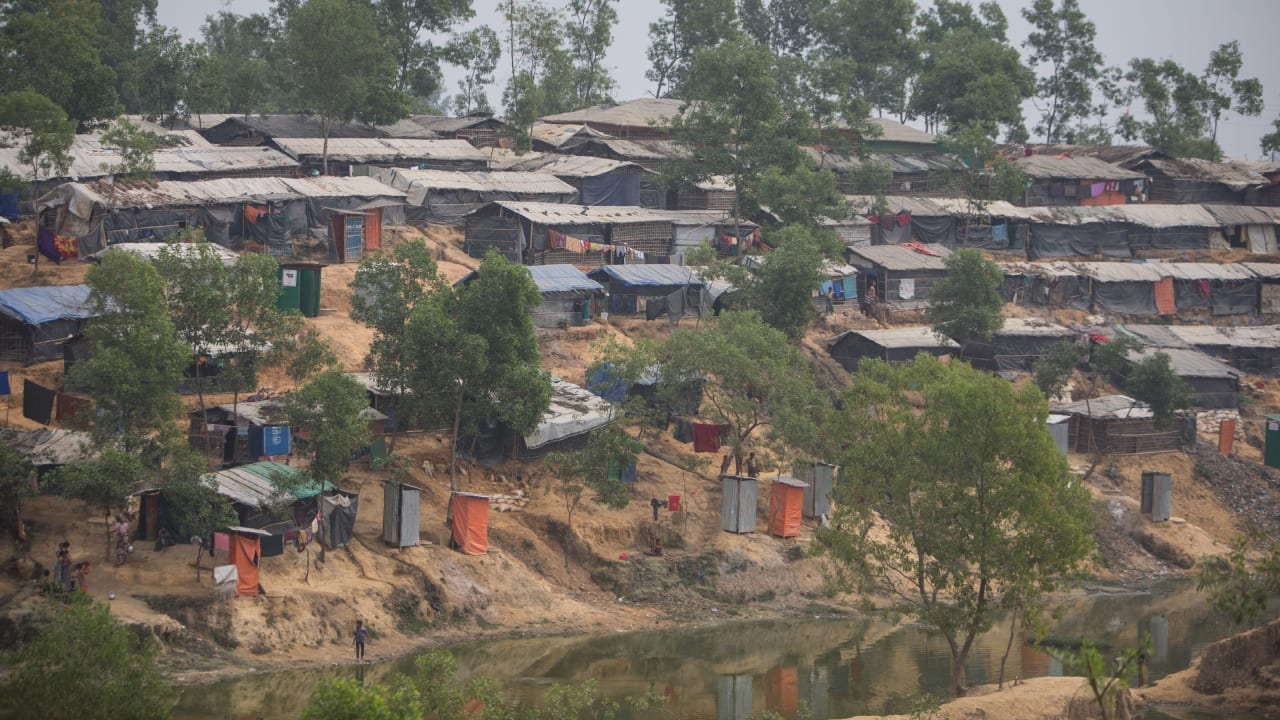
(1013, 624)
(453, 446)
(958, 678)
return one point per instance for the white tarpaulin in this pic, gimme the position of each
(573, 411)
(225, 579)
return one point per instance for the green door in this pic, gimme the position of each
(1272, 456)
(289, 289)
(309, 291)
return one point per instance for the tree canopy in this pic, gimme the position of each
(979, 511)
(966, 305)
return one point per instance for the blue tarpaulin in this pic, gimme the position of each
(552, 279)
(9, 206)
(36, 305)
(647, 275)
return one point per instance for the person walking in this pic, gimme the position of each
(62, 567)
(122, 539)
(830, 297)
(82, 576)
(360, 635)
(753, 467)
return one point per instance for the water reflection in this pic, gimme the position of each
(836, 668)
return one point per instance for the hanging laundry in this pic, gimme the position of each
(37, 402)
(45, 244)
(4, 382)
(1203, 287)
(906, 288)
(903, 219)
(1164, 296)
(221, 542)
(253, 212)
(850, 287)
(72, 408)
(706, 437)
(683, 431)
(555, 240)
(1097, 189)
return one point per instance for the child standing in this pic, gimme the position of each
(360, 634)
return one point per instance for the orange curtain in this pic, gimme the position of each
(471, 523)
(373, 229)
(245, 552)
(782, 691)
(1226, 436)
(1164, 296)
(785, 505)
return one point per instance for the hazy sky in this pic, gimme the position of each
(1184, 30)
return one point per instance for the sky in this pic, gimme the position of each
(1183, 30)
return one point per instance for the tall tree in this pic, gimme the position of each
(1174, 99)
(417, 60)
(783, 26)
(247, 59)
(965, 305)
(477, 52)
(969, 74)
(342, 65)
(1226, 90)
(979, 508)
(137, 148)
(328, 410)
(872, 40)
(1270, 143)
(781, 288)
(1061, 51)
(135, 357)
(476, 352)
(384, 293)
(43, 130)
(54, 47)
(752, 379)
(82, 664)
(589, 31)
(151, 76)
(686, 27)
(541, 68)
(104, 482)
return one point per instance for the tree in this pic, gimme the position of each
(341, 65)
(969, 74)
(965, 305)
(992, 176)
(476, 353)
(1270, 142)
(104, 482)
(783, 26)
(137, 149)
(1061, 50)
(383, 295)
(607, 448)
(84, 665)
(55, 47)
(329, 411)
(590, 33)
(1173, 98)
(245, 52)
(1152, 380)
(348, 699)
(1226, 90)
(151, 74)
(1052, 371)
(135, 357)
(190, 496)
(871, 41)
(751, 377)
(1236, 589)
(781, 288)
(687, 26)
(15, 476)
(806, 197)
(405, 22)
(476, 52)
(43, 130)
(1107, 682)
(978, 508)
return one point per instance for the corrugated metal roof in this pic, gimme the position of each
(641, 112)
(1240, 215)
(1259, 336)
(1270, 271)
(948, 207)
(1154, 271)
(1033, 327)
(1107, 407)
(558, 135)
(561, 165)
(151, 251)
(251, 484)
(701, 218)
(903, 163)
(556, 214)
(894, 338)
(1186, 362)
(1077, 168)
(90, 158)
(1154, 335)
(416, 126)
(1237, 177)
(649, 149)
(201, 192)
(647, 275)
(381, 149)
(260, 412)
(529, 183)
(1114, 154)
(894, 131)
(42, 304)
(896, 257)
(292, 126)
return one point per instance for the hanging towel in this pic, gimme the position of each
(37, 402)
(906, 288)
(221, 542)
(850, 287)
(1097, 189)
(1203, 287)
(706, 437)
(1164, 296)
(45, 243)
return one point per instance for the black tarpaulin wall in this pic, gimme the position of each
(610, 189)
(940, 230)
(1050, 241)
(1174, 238)
(1128, 297)
(484, 233)
(1234, 297)
(339, 511)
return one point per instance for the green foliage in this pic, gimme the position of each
(992, 176)
(608, 447)
(1270, 142)
(83, 665)
(347, 699)
(407, 26)
(328, 410)
(1226, 90)
(137, 150)
(965, 305)
(754, 380)
(341, 64)
(103, 482)
(781, 289)
(870, 177)
(56, 47)
(43, 129)
(866, 42)
(1173, 98)
(980, 507)
(191, 499)
(1236, 590)
(1053, 370)
(241, 50)
(1153, 381)
(135, 357)
(589, 32)
(477, 52)
(1062, 52)
(1106, 680)
(687, 26)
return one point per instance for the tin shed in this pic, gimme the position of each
(817, 494)
(738, 511)
(400, 514)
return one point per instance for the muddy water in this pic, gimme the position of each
(733, 671)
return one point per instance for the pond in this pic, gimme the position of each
(733, 671)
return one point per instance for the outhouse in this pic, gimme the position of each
(300, 288)
(1157, 491)
(786, 500)
(400, 514)
(1272, 456)
(817, 494)
(738, 512)
(471, 523)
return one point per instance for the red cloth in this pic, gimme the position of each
(1095, 337)
(918, 247)
(706, 437)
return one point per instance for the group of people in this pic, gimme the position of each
(868, 305)
(66, 574)
(753, 465)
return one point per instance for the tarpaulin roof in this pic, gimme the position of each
(560, 165)
(358, 150)
(646, 149)
(92, 158)
(48, 447)
(284, 125)
(904, 163)
(642, 112)
(896, 257)
(1107, 407)
(574, 411)
(1242, 214)
(1259, 336)
(1270, 271)
(151, 251)
(36, 305)
(1155, 271)
(1075, 168)
(898, 338)
(557, 214)
(1186, 362)
(1033, 327)
(559, 135)
(894, 131)
(647, 275)
(251, 484)
(417, 182)
(552, 279)
(1116, 154)
(948, 207)
(701, 218)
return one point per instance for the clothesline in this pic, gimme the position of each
(559, 241)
